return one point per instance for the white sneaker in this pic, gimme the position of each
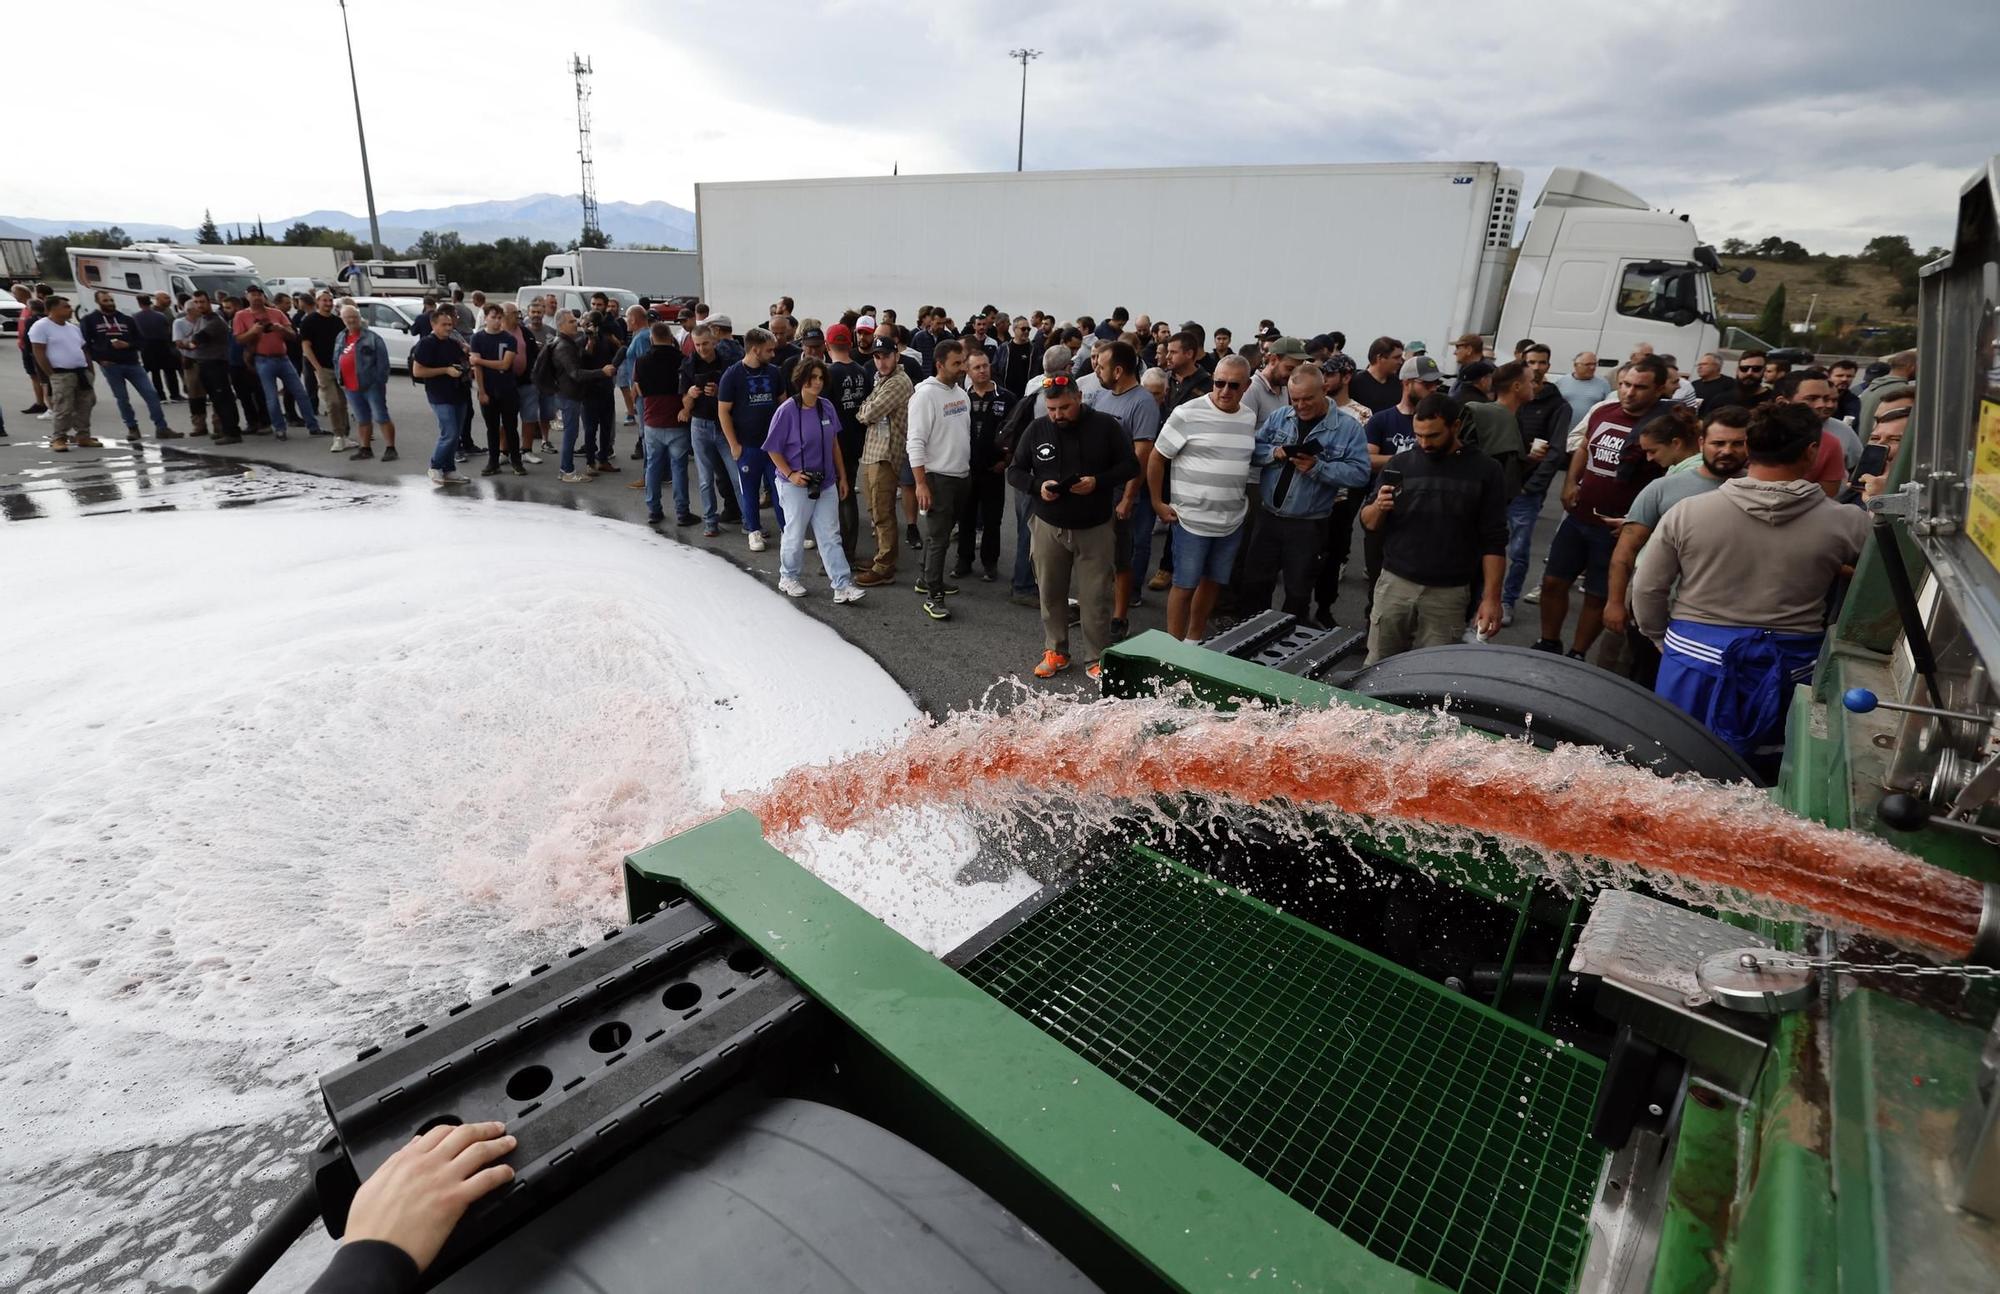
(791, 588)
(437, 477)
(811, 543)
(573, 478)
(339, 445)
(449, 478)
(756, 541)
(45, 415)
(530, 458)
(852, 593)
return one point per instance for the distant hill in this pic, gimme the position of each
(553, 216)
(1848, 289)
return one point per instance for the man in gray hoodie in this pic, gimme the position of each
(1735, 583)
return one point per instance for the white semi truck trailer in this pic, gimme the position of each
(1420, 251)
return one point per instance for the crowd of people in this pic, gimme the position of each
(1261, 461)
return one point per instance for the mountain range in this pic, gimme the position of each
(552, 216)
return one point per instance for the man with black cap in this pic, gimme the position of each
(1393, 431)
(1266, 395)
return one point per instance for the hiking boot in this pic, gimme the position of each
(1161, 580)
(87, 441)
(132, 436)
(389, 454)
(606, 465)
(226, 438)
(937, 610)
(871, 578)
(1053, 663)
(168, 433)
(60, 444)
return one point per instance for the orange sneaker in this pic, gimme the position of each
(1096, 670)
(1053, 663)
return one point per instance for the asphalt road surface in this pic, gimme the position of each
(943, 665)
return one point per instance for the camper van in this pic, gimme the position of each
(145, 268)
(391, 278)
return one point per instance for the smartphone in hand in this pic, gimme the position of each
(1393, 477)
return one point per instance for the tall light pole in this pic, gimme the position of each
(1020, 140)
(367, 182)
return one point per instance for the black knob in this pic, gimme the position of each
(1903, 811)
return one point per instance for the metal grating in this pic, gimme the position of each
(1445, 1137)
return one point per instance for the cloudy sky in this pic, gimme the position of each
(1828, 123)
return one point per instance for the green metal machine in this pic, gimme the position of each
(1185, 1071)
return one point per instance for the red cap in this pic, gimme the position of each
(838, 335)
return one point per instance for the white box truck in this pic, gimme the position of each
(1421, 251)
(282, 261)
(659, 275)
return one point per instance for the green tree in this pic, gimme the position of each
(208, 233)
(589, 238)
(1890, 250)
(1734, 247)
(53, 255)
(301, 234)
(500, 266)
(1836, 273)
(1770, 325)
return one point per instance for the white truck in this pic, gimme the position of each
(1421, 251)
(662, 276)
(146, 268)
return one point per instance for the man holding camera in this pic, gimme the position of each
(1442, 514)
(265, 334)
(1309, 452)
(1072, 463)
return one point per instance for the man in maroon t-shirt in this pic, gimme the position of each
(1606, 473)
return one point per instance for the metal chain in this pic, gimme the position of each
(1898, 970)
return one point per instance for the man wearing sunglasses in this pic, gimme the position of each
(1210, 441)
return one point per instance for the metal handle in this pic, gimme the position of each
(1860, 700)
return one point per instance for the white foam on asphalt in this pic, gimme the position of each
(277, 782)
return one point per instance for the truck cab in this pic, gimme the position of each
(562, 267)
(1600, 270)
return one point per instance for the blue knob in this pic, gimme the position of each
(1858, 699)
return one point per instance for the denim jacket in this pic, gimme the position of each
(1343, 465)
(371, 357)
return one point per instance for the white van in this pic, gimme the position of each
(576, 299)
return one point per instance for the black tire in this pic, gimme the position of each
(1516, 691)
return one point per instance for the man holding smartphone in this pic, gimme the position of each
(265, 333)
(1441, 510)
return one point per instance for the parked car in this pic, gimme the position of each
(390, 319)
(10, 317)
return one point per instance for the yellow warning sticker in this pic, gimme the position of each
(1982, 520)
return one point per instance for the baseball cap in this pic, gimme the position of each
(1286, 347)
(1334, 364)
(838, 335)
(814, 335)
(866, 323)
(1468, 339)
(1415, 348)
(721, 321)
(1422, 368)
(1477, 369)
(1266, 334)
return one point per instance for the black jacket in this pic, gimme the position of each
(989, 416)
(1545, 417)
(1094, 445)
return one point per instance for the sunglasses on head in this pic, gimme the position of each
(1892, 415)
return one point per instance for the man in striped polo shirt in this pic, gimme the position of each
(1209, 440)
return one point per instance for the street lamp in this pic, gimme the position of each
(367, 182)
(1020, 140)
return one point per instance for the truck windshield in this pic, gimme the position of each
(1653, 290)
(220, 285)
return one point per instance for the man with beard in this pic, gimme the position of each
(1724, 450)
(1444, 534)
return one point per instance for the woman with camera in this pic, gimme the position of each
(804, 447)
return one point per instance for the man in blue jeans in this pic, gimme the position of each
(112, 339)
(700, 379)
(749, 393)
(265, 333)
(656, 377)
(441, 362)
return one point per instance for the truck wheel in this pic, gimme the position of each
(1515, 691)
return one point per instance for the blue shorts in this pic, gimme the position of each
(908, 476)
(370, 404)
(531, 402)
(1585, 550)
(1198, 557)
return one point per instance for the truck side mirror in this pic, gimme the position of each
(1682, 316)
(1747, 273)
